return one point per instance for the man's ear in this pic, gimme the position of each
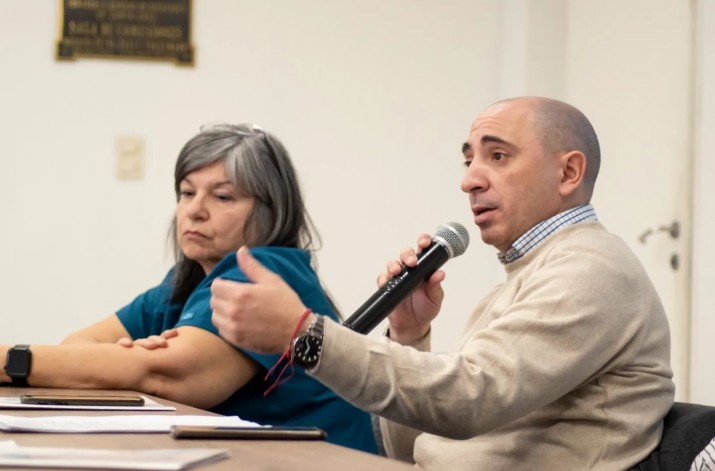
(573, 172)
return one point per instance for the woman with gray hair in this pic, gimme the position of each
(235, 185)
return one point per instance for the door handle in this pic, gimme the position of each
(673, 230)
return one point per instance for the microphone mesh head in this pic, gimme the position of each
(455, 236)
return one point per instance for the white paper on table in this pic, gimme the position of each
(170, 459)
(142, 423)
(13, 402)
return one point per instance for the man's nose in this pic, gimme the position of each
(474, 178)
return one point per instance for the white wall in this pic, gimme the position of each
(372, 98)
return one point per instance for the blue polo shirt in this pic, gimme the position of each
(300, 401)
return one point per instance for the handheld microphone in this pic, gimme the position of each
(450, 240)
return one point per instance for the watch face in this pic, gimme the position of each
(306, 350)
(18, 363)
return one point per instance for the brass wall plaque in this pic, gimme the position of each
(147, 29)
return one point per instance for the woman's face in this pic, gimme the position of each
(210, 215)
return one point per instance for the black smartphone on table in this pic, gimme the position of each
(249, 433)
(81, 400)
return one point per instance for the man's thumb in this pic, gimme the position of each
(251, 267)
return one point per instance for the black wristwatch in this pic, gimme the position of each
(18, 364)
(307, 347)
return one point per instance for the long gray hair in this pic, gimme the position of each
(257, 165)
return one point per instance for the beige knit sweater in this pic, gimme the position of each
(564, 366)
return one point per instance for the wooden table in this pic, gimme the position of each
(258, 455)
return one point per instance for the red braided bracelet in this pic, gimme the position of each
(286, 356)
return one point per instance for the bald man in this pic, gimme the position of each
(566, 365)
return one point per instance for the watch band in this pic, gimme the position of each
(311, 326)
(317, 326)
(18, 364)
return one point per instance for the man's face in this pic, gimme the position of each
(511, 184)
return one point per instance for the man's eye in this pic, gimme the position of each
(467, 163)
(186, 193)
(498, 156)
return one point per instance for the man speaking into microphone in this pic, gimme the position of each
(565, 365)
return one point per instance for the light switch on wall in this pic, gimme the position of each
(130, 157)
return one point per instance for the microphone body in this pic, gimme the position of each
(450, 240)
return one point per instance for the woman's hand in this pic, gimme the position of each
(150, 343)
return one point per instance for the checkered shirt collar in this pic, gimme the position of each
(544, 229)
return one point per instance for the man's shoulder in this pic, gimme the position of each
(594, 254)
(589, 238)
